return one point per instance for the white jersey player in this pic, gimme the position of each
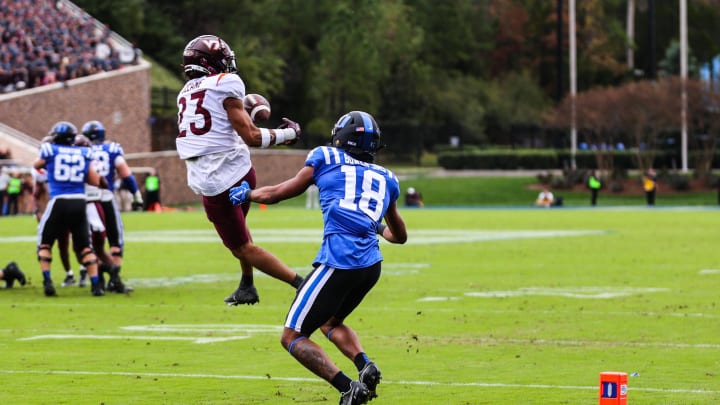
(214, 134)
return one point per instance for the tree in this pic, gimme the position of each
(703, 122)
(602, 42)
(636, 113)
(598, 121)
(670, 65)
(704, 30)
(515, 100)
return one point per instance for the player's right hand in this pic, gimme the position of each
(240, 194)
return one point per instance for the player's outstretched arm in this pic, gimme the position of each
(254, 136)
(272, 194)
(395, 232)
(287, 189)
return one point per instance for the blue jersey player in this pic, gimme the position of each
(355, 196)
(109, 160)
(68, 169)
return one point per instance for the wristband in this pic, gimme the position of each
(265, 133)
(380, 229)
(284, 135)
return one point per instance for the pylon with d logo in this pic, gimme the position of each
(613, 388)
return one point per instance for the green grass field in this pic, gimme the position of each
(481, 306)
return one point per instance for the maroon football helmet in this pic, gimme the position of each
(208, 55)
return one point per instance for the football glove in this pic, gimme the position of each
(240, 194)
(137, 202)
(288, 123)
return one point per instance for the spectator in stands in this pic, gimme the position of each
(20, 74)
(6, 73)
(137, 54)
(37, 37)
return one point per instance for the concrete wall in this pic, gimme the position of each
(24, 149)
(271, 166)
(119, 99)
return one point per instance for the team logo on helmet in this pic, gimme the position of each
(63, 133)
(358, 134)
(208, 55)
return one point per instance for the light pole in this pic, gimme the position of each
(683, 79)
(573, 83)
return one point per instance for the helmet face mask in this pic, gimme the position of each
(63, 133)
(358, 134)
(208, 55)
(94, 131)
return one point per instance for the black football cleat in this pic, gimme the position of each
(49, 288)
(97, 289)
(119, 287)
(69, 280)
(370, 375)
(243, 295)
(115, 283)
(83, 278)
(357, 394)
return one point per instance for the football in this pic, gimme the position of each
(257, 107)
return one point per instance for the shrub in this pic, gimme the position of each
(680, 183)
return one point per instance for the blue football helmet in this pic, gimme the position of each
(63, 133)
(95, 131)
(358, 134)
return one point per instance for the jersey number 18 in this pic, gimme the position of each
(367, 194)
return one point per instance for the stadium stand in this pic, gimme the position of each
(44, 42)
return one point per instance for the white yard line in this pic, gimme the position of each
(228, 332)
(384, 382)
(314, 236)
(194, 339)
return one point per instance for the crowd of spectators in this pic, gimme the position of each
(42, 42)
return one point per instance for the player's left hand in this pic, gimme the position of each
(240, 194)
